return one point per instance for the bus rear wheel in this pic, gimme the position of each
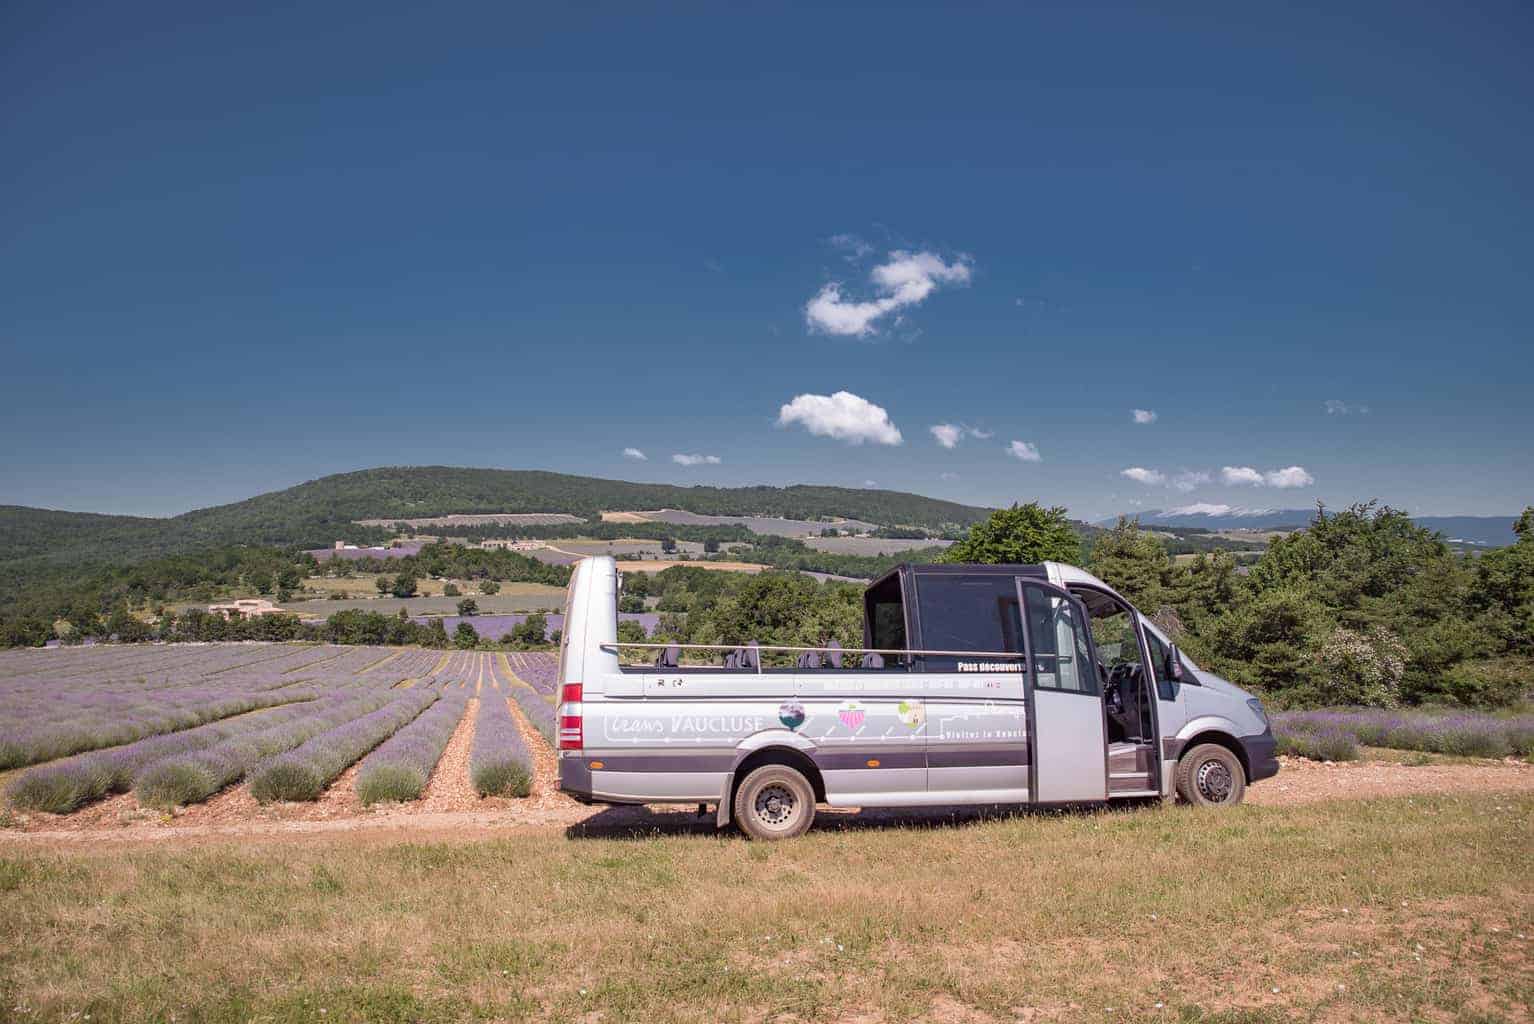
(774, 802)
(1210, 776)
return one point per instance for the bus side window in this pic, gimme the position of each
(1060, 653)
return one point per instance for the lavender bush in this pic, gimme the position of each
(1467, 733)
(400, 767)
(538, 711)
(304, 772)
(500, 764)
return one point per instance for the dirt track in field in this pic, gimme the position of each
(451, 810)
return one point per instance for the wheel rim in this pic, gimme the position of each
(1214, 781)
(776, 806)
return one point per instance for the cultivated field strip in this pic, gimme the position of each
(175, 730)
(535, 669)
(500, 763)
(401, 766)
(538, 710)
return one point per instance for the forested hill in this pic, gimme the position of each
(38, 544)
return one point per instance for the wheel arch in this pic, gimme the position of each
(1221, 738)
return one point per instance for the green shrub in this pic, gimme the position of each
(389, 782)
(285, 778)
(502, 777)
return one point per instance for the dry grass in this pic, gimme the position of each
(1408, 909)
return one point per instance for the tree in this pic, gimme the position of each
(260, 580)
(451, 590)
(531, 630)
(436, 633)
(404, 586)
(631, 603)
(383, 584)
(1133, 562)
(631, 632)
(711, 547)
(468, 606)
(668, 545)
(488, 587)
(465, 636)
(1022, 534)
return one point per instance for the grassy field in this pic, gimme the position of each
(513, 597)
(1408, 909)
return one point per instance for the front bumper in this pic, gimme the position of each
(1261, 755)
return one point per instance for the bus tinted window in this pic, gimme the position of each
(975, 613)
(1060, 654)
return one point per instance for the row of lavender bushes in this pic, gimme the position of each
(538, 711)
(402, 764)
(303, 772)
(25, 743)
(67, 785)
(499, 764)
(192, 778)
(1337, 735)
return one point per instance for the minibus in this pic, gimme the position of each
(974, 684)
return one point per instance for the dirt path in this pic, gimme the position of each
(449, 788)
(1302, 782)
(450, 810)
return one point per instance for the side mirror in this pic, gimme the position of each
(1174, 665)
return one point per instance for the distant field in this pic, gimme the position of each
(481, 519)
(364, 586)
(527, 598)
(756, 524)
(870, 545)
(658, 565)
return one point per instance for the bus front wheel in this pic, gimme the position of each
(1210, 776)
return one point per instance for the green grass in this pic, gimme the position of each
(1400, 909)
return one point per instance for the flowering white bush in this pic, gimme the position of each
(1362, 668)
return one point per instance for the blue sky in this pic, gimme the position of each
(244, 248)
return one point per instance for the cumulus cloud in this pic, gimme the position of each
(1290, 476)
(1025, 450)
(902, 281)
(950, 434)
(1337, 407)
(948, 476)
(843, 416)
(1143, 415)
(635, 454)
(696, 460)
(1141, 475)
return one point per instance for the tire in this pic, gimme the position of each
(1209, 775)
(774, 802)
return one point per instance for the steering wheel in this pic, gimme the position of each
(1113, 693)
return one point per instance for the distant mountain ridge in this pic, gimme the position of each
(36, 542)
(1487, 531)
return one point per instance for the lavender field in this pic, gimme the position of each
(176, 726)
(1336, 735)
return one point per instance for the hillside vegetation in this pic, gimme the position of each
(42, 545)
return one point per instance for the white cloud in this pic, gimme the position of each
(1025, 450)
(696, 460)
(1141, 475)
(1241, 475)
(1337, 407)
(947, 434)
(904, 280)
(1143, 415)
(948, 476)
(635, 454)
(1190, 480)
(870, 483)
(950, 434)
(1290, 476)
(843, 416)
(1202, 508)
